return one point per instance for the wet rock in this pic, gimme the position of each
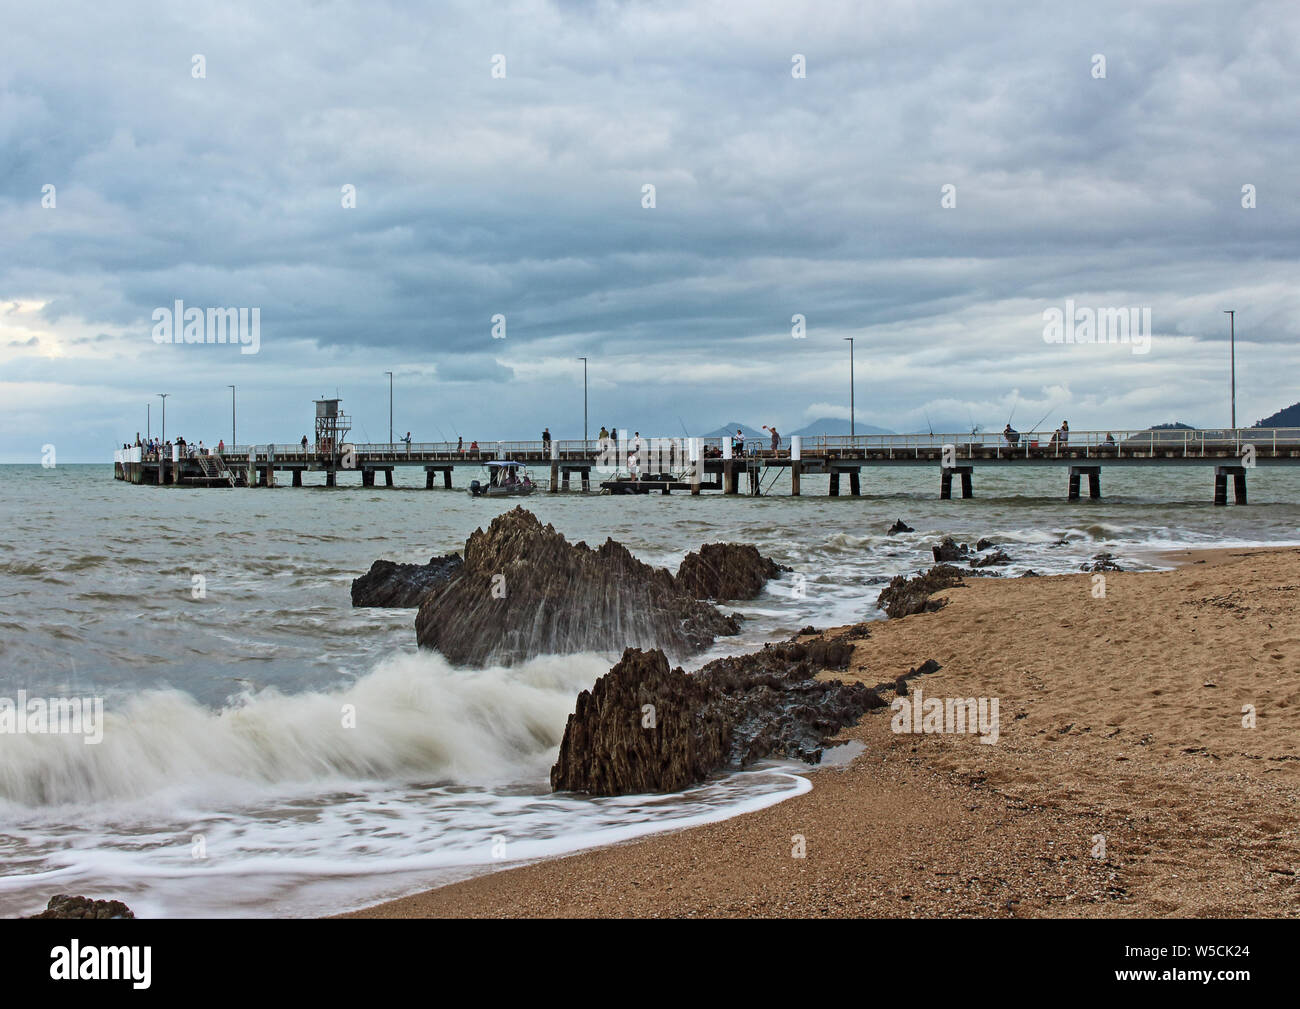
(1031, 573)
(949, 550)
(391, 584)
(645, 727)
(63, 906)
(985, 543)
(525, 590)
(1101, 562)
(900, 527)
(905, 596)
(810, 629)
(725, 571)
(990, 560)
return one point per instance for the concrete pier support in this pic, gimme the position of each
(1094, 482)
(586, 479)
(367, 478)
(855, 483)
(388, 478)
(1221, 474)
(297, 478)
(945, 481)
(555, 477)
(796, 464)
(330, 480)
(730, 477)
(835, 483)
(564, 480)
(428, 479)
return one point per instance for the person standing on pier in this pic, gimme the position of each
(304, 444)
(460, 444)
(776, 438)
(546, 441)
(407, 439)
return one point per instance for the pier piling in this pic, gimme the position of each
(1221, 474)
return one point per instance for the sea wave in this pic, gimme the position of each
(413, 718)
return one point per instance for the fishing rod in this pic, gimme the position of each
(1044, 417)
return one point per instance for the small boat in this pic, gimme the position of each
(504, 479)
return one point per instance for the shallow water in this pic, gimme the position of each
(224, 708)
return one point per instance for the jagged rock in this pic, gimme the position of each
(725, 571)
(731, 712)
(900, 683)
(524, 590)
(1101, 562)
(63, 906)
(949, 550)
(900, 527)
(810, 629)
(1031, 573)
(989, 560)
(390, 584)
(905, 596)
(985, 543)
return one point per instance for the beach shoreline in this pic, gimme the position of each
(1124, 781)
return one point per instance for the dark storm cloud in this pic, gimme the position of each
(775, 196)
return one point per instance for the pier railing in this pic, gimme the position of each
(1116, 443)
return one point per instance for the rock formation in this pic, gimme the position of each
(900, 527)
(1101, 562)
(63, 906)
(989, 560)
(524, 590)
(645, 727)
(391, 584)
(905, 596)
(725, 571)
(949, 550)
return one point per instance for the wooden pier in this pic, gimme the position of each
(695, 465)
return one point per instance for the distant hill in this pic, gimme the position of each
(1174, 426)
(1287, 417)
(728, 429)
(834, 425)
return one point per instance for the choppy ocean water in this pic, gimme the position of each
(226, 783)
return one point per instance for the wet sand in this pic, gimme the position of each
(1123, 782)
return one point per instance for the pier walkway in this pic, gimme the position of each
(716, 464)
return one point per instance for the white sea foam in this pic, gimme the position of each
(416, 719)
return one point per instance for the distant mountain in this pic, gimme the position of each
(728, 429)
(1174, 426)
(827, 425)
(834, 425)
(1287, 417)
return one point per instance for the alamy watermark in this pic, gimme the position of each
(917, 713)
(53, 716)
(179, 324)
(1098, 325)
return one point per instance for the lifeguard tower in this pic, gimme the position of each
(332, 427)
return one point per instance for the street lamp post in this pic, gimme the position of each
(390, 406)
(584, 402)
(164, 396)
(232, 418)
(852, 409)
(148, 422)
(1231, 313)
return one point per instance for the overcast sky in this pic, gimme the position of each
(522, 195)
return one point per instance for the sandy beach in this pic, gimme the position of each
(1123, 781)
